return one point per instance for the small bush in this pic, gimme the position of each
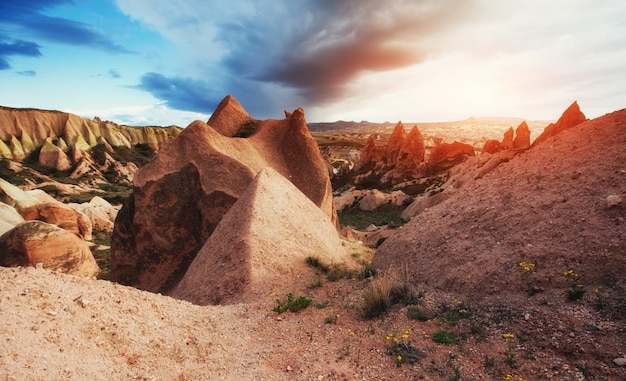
(316, 263)
(385, 291)
(289, 304)
(415, 313)
(444, 337)
(247, 129)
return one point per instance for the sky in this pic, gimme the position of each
(163, 62)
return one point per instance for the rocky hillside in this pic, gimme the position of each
(25, 131)
(558, 205)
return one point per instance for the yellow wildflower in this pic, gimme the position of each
(508, 336)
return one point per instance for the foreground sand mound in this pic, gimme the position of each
(547, 206)
(261, 246)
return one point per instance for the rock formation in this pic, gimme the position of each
(264, 238)
(35, 242)
(450, 152)
(182, 194)
(61, 215)
(522, 137)
(570, 118)
(400, 160)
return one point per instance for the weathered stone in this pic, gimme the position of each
(60, 215)
(450, 152)
(492, 146)
(34, 242)
(614, 200)
(266, 236)
(522, 137)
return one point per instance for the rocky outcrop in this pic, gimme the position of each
(518, 140)
(570, 118)
(52, 156)
(182, 194)
(34, 242)
(261, 245)
(450, 152)
(400, 160)
(522, 137)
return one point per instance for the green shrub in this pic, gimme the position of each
(444, 337)
(385, 291)
(289, 304)
(415, 313)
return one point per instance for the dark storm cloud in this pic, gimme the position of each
(187, 94)
(29, 19)
(318, 47)
(16, 48)
(180, 93)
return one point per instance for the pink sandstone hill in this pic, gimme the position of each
(261, 246)
(182, 194)
(549, 207)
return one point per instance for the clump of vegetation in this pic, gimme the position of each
(291, 304)
(139, 154)
(575, 291)
(443, 336)
(510, 354)
(416, 313)
(385, 291)
(247, 129)
(337, 271)
(15, 178)
(102, 255)
(388, 214)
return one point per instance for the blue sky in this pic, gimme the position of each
(165, 62)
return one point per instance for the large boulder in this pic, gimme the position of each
(261, 245)
(61, 215)
(450, 152)
(34, 242)
(182, 194)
